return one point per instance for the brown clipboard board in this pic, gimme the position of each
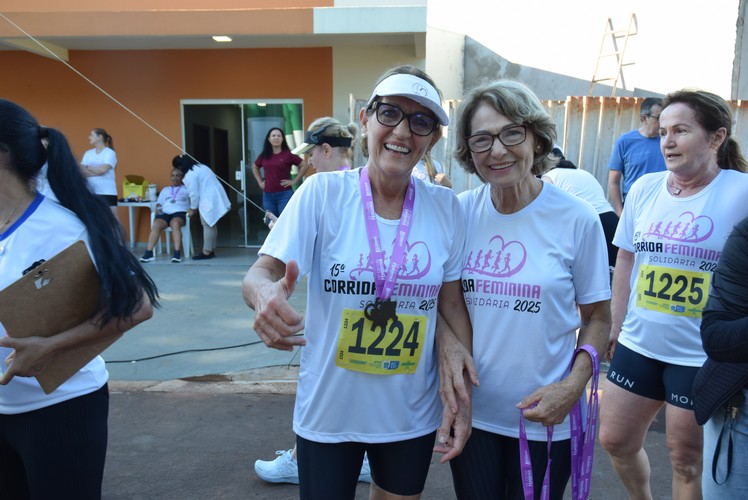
(55, 296)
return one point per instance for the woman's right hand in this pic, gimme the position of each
(276, 322)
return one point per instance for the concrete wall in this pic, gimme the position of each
(357, 68)
(446, 51)
(676, 46)
(483, 65)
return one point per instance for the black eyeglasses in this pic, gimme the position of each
(655, 117)
(390, 115)
(511, 136)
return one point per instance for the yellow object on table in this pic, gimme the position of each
(135, 187)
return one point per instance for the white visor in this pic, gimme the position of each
(414, 88)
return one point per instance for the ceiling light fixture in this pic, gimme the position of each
(222, 38)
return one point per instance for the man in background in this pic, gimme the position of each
(636, 153)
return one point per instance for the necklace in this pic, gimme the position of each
(174, 195)
(676, 190)
(12, 214)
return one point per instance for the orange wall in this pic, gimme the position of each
(154, 5)
(151, 84)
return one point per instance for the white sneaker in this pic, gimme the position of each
(365, 474)
(281, 470)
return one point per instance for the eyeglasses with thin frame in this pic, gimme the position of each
(390, 115)
(510, 136)
(657, 117)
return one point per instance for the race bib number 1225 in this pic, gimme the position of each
(672, 291)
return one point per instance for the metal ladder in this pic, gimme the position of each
(615, 36)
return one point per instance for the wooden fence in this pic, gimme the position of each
(587, 129)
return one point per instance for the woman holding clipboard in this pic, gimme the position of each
(54, 445)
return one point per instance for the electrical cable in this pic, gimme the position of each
(163, 136)
(121, 105)
(187, 351)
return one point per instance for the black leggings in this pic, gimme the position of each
(609, 220)
(57, 451)
(488, 468)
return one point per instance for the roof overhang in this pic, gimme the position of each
(193, 29)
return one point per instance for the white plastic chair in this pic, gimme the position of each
(187, 247)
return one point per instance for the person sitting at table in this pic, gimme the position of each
(171, 211)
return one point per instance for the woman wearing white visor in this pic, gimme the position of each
(383, 254)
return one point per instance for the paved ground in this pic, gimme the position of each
(191, 425)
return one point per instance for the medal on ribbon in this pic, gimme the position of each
(384, 309)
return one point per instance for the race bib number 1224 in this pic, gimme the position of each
(394, 348)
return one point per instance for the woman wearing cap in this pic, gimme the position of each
(535, 271)
(383, 251)
(275, 161)
(329, 146)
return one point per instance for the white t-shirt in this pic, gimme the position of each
(582, 184)
(105, 184)
(676, 244)
(174, 199)
(42, 183)
(420, 172)
(323, 229)
(523, 276)
(45, 229)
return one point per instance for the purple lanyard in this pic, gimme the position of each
(173, 194)
(385, 279)
(582, 441)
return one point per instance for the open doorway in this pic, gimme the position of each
(227, 136)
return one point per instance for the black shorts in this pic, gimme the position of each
(168, 217)
(489, 467)
(109, 200)
(651, 378)
(330, 470)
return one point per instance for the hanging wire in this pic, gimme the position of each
(121, 105)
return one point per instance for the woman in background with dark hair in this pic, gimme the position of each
(98, 166)
(275, 161)
(207, 196)
(54, 446)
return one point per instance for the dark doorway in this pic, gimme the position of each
(200, 143)
(213, 135)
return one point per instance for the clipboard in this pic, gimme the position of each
(53, 297)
